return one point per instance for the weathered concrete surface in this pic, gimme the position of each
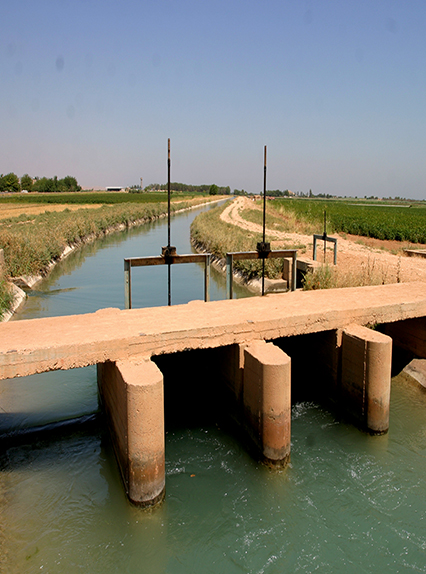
(409, 335)
(416, 370)
(267, 400)
(133, 399)
(366, 376)
(39, 345)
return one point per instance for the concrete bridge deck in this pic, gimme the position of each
(65, 342)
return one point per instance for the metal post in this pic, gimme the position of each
(168, 193)
(207, 279)
(169, 279)
(127, 285)
(325, 233)
(294, 272)
(264, 221)
(229, 273)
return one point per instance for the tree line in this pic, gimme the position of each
(12, 184)
(213, 189)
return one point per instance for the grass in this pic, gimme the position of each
(31, 242)
(100, 198)
(279, 219)
(219, 237)
(6, 297)
(330, 277)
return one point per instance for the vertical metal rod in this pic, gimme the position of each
(127, 285)
(264, 221)
(207, 279)
(169, 279)
(264, 198)
(168, 194)
(294, 272)
(325, 233)
(229, 272)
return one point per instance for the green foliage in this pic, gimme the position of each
(218, 238)
(30, 243)
(187, 188)
(277, 193)
(88, 198)
(26, 182)
(6, 297)
(323, 277)
(69, 184)
(405, 222)
(55, 185)
(213, 189)
(10, 183)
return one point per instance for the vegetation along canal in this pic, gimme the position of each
(348, 502)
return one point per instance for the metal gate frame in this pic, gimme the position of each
(241, 255)
(165, 259)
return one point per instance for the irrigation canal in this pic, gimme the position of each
(348, 501)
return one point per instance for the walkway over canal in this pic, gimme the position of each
(38, 345)
(258, 374)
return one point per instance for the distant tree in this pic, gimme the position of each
(9, 182)
(26, 182)
(213, 189)
(68, 184)
(46, 185)
(51, 185)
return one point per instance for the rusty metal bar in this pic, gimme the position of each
(229, 271)
(324, 238)
(262, 248)
(127, 285)
(169, 276)
(242, 255)
(164, 259)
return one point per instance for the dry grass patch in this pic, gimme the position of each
(8, 210)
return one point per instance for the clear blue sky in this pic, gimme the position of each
(335, 89)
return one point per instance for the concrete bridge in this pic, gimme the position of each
(249, 344)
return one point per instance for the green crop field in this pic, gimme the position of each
(401, 222)
(87, 198)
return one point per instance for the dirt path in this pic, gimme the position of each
(358, 258)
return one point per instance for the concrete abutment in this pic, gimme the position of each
(132, 397)
(267, 401)
(366, 377)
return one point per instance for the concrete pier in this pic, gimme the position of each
(366, 376)
(267, 400)
(132, 397)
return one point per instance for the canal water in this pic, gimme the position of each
(348, 502)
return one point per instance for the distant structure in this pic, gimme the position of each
(141, 183)
(115, 188)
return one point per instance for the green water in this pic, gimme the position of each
(348, 502)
